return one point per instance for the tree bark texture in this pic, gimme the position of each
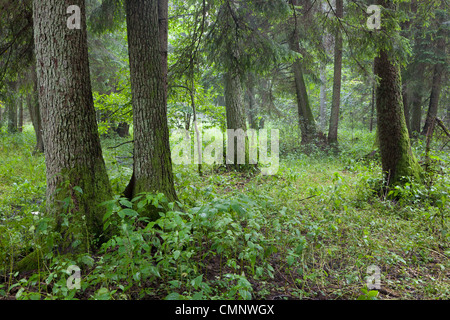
(152, 171)
(396, 155)
(235, 115)
(336, 99)
(163, 23)
(233, 102)
(73, 154)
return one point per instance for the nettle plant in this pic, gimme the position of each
(172, 252)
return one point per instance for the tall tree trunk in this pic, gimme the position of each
(397, 158)
(122, 129)
(434, 97)
(306, 118)
(11, 105)
(235, 119)
(396, 155)
(75, 167)
(323, 96)
(34, 111)
(252, 120)
(416, 112)
(336, 100)
(20, 116)
(372, 106)
(35, 115)
(163, 23)
(416, 100)
(233, 102)
(152, 170)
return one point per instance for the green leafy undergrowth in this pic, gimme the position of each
(309, 232)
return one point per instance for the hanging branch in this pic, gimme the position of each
(132, 141)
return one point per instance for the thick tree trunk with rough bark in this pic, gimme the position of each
(77, 181)
(397, 158)
(236, 119)
(233, 102)
(336, 99)
(152, 171)
(396, 155)
(163, 23)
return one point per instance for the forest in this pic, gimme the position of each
(248, 150)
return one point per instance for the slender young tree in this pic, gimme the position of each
(323, 95)
(77, 180)
(416, 107)
(439, 70)
(20, 116)
(305, 115)
(436, 86)
(32, 101)
(12, 113)
(152, 170)
(236, 41)
(336, 99)
(406, 105)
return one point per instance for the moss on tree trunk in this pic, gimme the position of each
(152, 170)
(396, 155)
(77, 181)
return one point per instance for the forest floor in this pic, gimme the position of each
(315, 230)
